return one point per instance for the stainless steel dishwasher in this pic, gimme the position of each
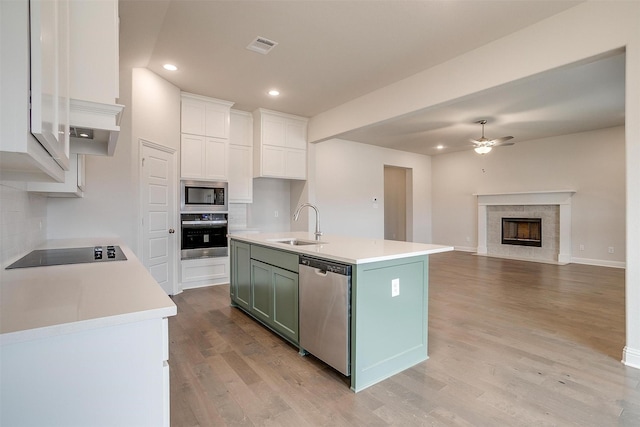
(325, 311)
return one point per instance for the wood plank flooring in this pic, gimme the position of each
(511, 343)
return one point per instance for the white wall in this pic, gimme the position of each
(591, 163)
(270, 196)
(350, 174)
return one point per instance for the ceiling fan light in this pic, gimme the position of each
(483, 149)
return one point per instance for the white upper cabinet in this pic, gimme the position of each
(94, 76)
(94, 43)
(22, 156)
(205, 116)
(62, 55)
(280, 145)
(202, 157)
(49, 22)
(241, 157)
(204, 152)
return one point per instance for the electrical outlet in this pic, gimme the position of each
(275, 214)
(468, 239)
(395, 287)
(582, 247)
(610, 249)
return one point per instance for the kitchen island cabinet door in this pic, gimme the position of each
(274, 298)
(241, 274)
(261, 291)
(285, 302)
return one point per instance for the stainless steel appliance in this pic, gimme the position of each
(203, 196)
(46, 257)
(204, 235)
(325, 311)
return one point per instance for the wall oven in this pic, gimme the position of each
(203, 196)
(204, 208)
(204, 235)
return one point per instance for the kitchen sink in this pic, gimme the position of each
(296, 242)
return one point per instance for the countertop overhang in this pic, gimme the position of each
(39, 302)
(349, 250)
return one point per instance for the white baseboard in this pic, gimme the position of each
(465, 248)
(203, 284)
(599, 262)
(631, 357)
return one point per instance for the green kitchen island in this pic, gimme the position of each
(388, 294)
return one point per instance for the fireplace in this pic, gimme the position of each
(522, 231)
(553, 207)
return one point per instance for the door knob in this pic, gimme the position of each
(171, 231)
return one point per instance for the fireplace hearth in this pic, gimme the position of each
(522, 231)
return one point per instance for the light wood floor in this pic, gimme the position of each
(511, 343)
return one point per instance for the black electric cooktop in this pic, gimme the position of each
(45, 257)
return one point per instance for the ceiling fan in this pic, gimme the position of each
(484, 145)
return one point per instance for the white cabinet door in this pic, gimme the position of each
(204, 272)
(241, 128)
(240, 171)
(296, 134)
(280, 145)
(203, 158)
(192, 156)
(215, 157)
(296, 164)
(50, 77)
(205, 116)
(273, 162)
(240, 174)
(273, 130)
(94, 44)
(216, 120)
(109, 376)
(192, 120)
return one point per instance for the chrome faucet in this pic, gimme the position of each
(318, 233)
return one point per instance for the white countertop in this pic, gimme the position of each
(40, 302)
(350, 250)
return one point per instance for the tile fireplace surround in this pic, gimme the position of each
(554, 207)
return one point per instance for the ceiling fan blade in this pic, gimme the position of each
(501, 140)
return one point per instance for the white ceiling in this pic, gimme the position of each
(330, 52)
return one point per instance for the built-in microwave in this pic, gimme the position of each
(203, 196)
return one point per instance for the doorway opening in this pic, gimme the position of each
(398, 203)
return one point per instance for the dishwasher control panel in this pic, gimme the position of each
(330, 266)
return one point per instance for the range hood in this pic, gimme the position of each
(93, 127)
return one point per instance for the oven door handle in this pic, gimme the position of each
(204, 223)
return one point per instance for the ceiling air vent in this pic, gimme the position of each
(262, 45)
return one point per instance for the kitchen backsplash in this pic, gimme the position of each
(237, 215)
(23, 221)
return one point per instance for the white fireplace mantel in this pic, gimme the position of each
(562, 198)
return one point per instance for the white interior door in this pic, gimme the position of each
(159, 211)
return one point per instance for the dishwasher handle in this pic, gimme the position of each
(325, 266)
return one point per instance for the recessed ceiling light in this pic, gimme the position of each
(440, 147)
(274, 92)
(170, 67)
